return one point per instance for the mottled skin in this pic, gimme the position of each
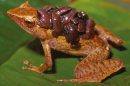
(93, 68)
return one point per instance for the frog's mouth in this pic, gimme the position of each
(26, 17)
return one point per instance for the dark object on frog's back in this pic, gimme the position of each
(68, 22)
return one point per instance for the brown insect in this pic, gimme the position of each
(49, 25)
(68, 22)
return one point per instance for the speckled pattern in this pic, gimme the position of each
(96, 71)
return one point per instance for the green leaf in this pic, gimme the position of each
(17, 46)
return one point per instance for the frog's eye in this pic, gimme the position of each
(29, 24)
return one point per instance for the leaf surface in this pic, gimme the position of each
(16, 45)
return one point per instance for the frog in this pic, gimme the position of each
(96, 64)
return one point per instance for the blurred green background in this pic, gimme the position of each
(16, 45)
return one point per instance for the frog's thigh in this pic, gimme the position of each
(98, 71)
(95, 71)
(96, 55)
(95, 67)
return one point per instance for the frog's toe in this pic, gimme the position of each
(26, 62)
(29, 66)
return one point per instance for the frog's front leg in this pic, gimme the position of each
(42, 67)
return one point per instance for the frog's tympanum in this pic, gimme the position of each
(67, 30)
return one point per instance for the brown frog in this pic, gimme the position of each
(95, 66)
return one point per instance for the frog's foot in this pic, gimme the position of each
(38, 69)
(29, 66)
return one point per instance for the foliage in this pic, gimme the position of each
(16, 45)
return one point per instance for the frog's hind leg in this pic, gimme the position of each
(95, 67)
(42, 67)
(95, 71)
(107, 35)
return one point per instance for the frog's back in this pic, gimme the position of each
(60, 44)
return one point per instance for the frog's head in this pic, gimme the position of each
(26, 17)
